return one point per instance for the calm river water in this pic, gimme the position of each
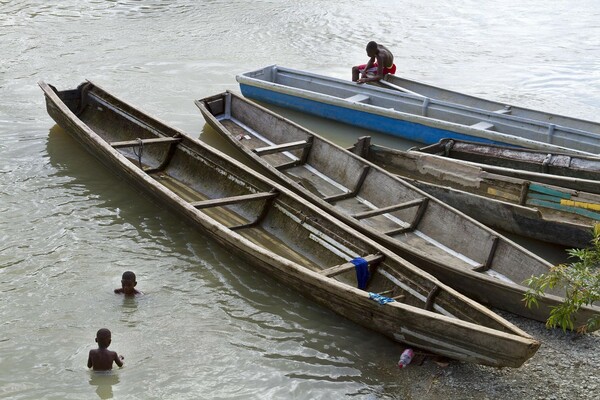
(209, 325)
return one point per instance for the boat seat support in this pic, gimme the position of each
(422, 203)
(488, 262)
(165, 161)
(261, 215)
(372, 260)
(431, 298)
(299, 161)
(353, 192)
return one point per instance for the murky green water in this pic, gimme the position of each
(209, 325)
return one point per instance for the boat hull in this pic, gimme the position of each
(282, 235)
(445, 242)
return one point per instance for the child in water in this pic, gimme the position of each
(128, 283)
(101, 359)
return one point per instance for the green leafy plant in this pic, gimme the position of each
(581, 281)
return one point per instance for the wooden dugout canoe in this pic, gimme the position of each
(407, 115)
(460, 251)
(553, 214)
(282, 234)
(561, 169)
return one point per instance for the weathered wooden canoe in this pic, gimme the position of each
(406, 115)
(544, 212)
(572, 171)
(433, 92)
(283, 235)
(460, 251)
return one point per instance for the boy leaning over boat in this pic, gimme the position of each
(381, 62)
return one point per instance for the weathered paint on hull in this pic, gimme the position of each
(390, 126)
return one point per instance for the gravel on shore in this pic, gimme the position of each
(565, 367)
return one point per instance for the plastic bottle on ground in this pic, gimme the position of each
(405, 358)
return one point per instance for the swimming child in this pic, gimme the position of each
(101, 359)
(128, 284)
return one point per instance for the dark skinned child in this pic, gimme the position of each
(101, 359)
(128, 284)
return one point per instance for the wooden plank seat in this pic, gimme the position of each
(232, 200)
(340, 269)
(506, 110)
(280, 148)
(144, 142)
(483, 125)
(358, 98)
(388, 209)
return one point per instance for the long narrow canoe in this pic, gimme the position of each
(527, 208)
(572, 171)
(434, 92)
(407, 115)
(460, 251)
(283, 235)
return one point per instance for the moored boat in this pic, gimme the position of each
(552, 214)
(434, 92)
(407, 115)
(460, 251)
(283, 235)
(574, 171)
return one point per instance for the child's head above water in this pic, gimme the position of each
(128, 283)
(103, 338)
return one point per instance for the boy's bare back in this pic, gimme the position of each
(102, 359)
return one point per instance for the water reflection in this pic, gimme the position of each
(104, 382)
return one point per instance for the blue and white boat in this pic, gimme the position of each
(409, 115)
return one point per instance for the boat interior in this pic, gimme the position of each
(375, 199)
(235, 200)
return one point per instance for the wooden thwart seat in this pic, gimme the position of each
(421, 203)
(506, 110)
(388, 209)
(340, 269)
(138, 142)
(359, 98)
(232, 200)
(280, 148)
(483, 125)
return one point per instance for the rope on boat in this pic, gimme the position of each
(141, 151)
